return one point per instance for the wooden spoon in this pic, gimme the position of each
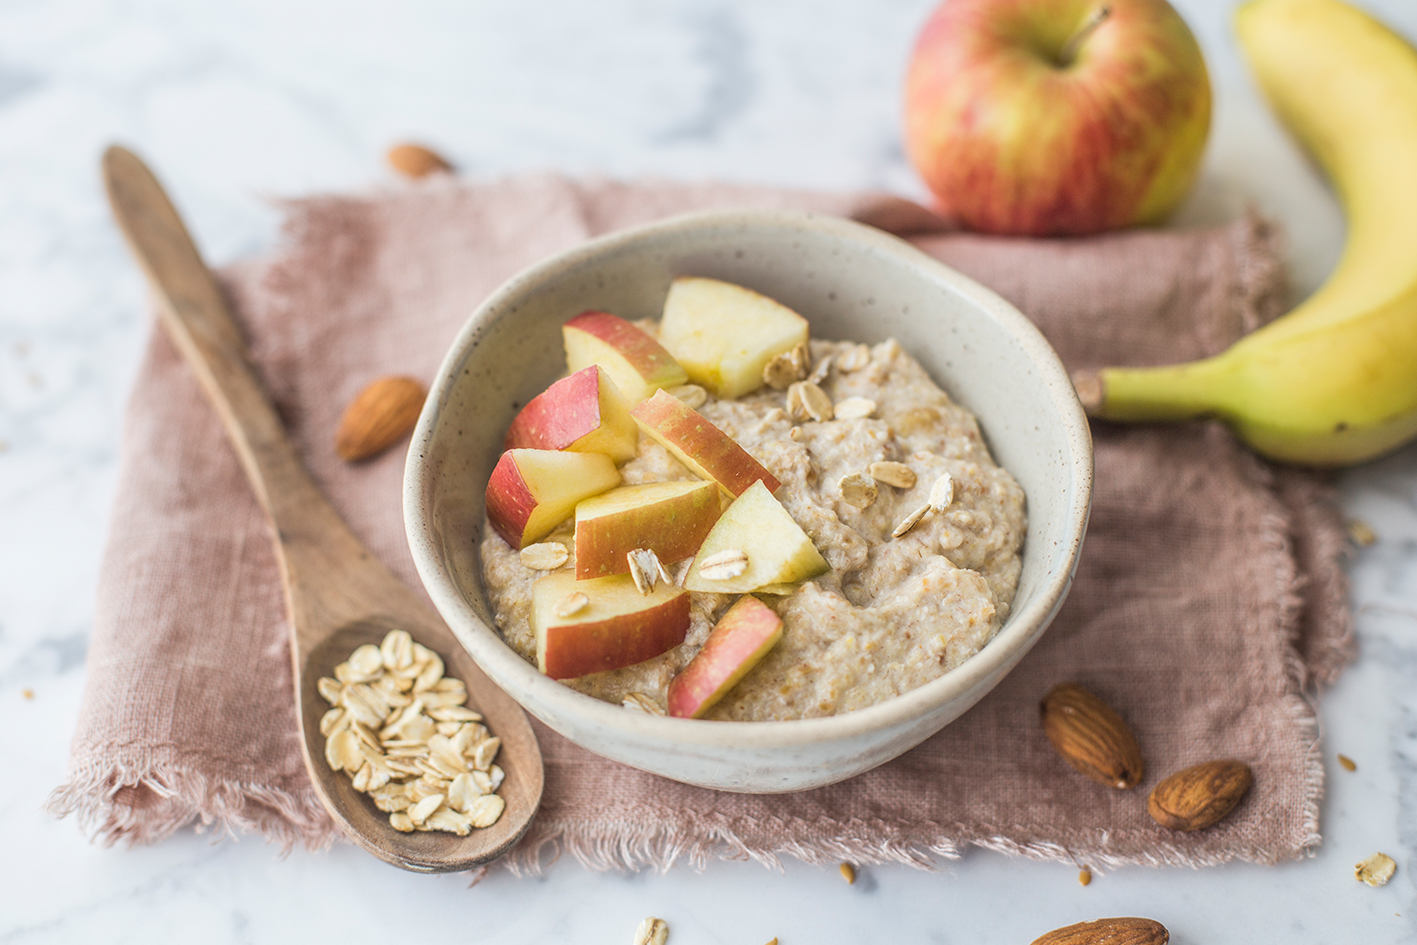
(338, 595)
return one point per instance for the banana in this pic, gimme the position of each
(1333, 382)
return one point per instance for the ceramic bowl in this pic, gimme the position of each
(851, 282)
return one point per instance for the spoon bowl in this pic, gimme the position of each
(431, 851)
(338, 595)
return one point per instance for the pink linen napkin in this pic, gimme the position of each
(1209, 604)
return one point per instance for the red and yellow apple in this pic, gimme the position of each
(530, 492)
(616, 627)
(583, 413)
(1056, 117)
(637, 363)
(698, 444)
(737, 643)
(669, 518)
(780, 554)
(724, 334)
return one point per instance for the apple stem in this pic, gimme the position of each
(1070, 48)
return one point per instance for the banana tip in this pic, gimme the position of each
(1090, 390)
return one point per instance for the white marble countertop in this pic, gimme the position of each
(240, 101)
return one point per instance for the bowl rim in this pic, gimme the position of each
(515, 675)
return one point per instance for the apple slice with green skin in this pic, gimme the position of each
(637, 363)
(737, 643)
(616, 627)
(583, 413)
(779, 552)
(530, 492)
(669, 518)
(723, 334)
(699, 445)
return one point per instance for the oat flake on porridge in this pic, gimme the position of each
(892, 613)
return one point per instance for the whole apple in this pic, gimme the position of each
(1056, 117)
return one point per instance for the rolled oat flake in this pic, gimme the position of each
(651, 931)
(1376, 870)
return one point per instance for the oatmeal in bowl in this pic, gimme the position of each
(737, 554)
(892, 596)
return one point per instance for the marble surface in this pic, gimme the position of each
(239, 102)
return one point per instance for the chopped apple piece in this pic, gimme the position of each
(778, 551)
(737, 643)
(637, 363)
(583, 413)
(615, 626)
(669, 518)
(699, 445)
(530, 492)
(724, 334)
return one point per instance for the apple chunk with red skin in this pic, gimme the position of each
(725, 334)
(737, 643)
(530, 492)
(583, 413)
(618, 627)
(669, 518)
(780, 554)
(698, 444)
(637, 363)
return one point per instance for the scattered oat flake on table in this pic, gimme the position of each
(1361, 533)
(1348, 764)
(651, 931)
(1376, 870)
(848, 873)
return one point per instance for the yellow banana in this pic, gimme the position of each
(1334, 381)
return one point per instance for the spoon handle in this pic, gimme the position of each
(199, 322)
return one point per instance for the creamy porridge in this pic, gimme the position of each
(892, 613)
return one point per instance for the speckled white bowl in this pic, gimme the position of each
(851, 282)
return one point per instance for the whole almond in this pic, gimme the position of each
(1199, 796)
(1091, 736)
(1121, 931)
(414, 160)
(379, 416)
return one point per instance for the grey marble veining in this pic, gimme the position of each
(239, 103)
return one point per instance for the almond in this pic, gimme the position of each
(414, 160)
(1091, 736)
(1199, 796)
(1121, 931)
(379, 416)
